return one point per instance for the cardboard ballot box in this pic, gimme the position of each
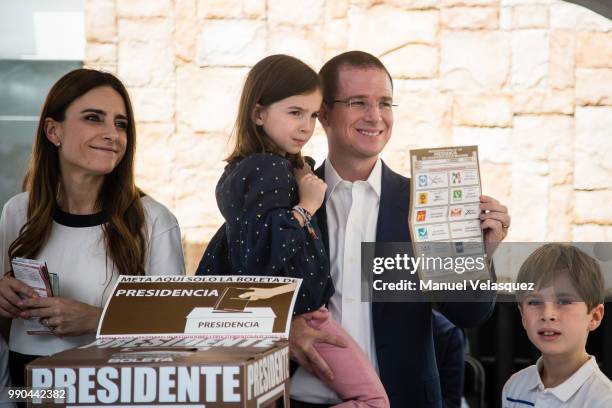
(146, 354)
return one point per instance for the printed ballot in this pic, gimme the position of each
(35, 274)
(444, 206)
(189, 341)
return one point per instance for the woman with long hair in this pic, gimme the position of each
(83, 215)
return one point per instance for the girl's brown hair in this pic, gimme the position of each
(118, 198)
(272, 79)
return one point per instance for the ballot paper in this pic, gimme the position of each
(444, 205)
(35, 274)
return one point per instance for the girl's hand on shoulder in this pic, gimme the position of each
(311, 189)
(11, 293)
(65, 317)
(299, 173)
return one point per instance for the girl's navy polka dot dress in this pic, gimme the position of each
(261, 236)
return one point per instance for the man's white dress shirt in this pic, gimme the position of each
(352, 215)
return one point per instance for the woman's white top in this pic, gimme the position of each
(76, 252)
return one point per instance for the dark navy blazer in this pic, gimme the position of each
(402, 331)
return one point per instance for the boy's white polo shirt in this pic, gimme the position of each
(587, 387)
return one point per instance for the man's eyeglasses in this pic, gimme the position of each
(364, 105)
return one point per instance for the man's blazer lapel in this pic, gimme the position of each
(321, 215)
(392, 223)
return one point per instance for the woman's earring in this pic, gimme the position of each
(58, 144)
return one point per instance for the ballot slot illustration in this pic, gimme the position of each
(230, 301)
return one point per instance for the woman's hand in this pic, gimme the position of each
(11, 292)
(311, 189)
(65, 317)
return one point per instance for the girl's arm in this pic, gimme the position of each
(269, 233)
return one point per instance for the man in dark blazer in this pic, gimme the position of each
(357, 115)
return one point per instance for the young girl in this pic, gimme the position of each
(267, 196)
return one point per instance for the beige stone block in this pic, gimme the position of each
(543, 137)
(494, 144)
(207, 98)
(335, 35)
(193, 251)
(231, 9)
(422, 119)
(383, 28)
(185, 39)
(572, 16)
(560, 213)
(497, 181)
(505, 18)
(470, 18)
(593, 50)
(201, 156)
(544, 101)
(447, 3)
(472, 61)
(593, 207)
(525, 2)
(592, 148)
(185, 10)
(336, 9)
(146, 60)
(100, 21)
(530, 58)
(530, 201)
(412, 61)
(562, 58)
(491, 110)
(594, 86)
(153, 161)
(153, 104)
(591, 233)
(231, 42)
(144, 8)
(530, 16)
(414, 4)
(219, 9)
(416, 85)
(295, 12)
(96, 53)
(561, 172)
(254, 9)
(302, 43)
(103, 66)
(186, 29)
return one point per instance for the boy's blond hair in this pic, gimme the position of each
(550, 261)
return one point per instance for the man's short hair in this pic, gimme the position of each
(550, 261)
(329, 73)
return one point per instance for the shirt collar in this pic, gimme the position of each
(332, 178)
(567, 388)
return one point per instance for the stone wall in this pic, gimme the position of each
(529, 81)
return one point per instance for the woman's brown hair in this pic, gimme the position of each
(270, 80)
(118, 198)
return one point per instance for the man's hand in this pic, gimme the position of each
(65, 317)
(495, 220)
(303, 337)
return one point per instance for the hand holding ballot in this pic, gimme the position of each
(495, 220)
(63, 317)
(11, 293)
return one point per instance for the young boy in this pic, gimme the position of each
(558, 315)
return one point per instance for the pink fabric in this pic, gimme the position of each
(355, 380)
